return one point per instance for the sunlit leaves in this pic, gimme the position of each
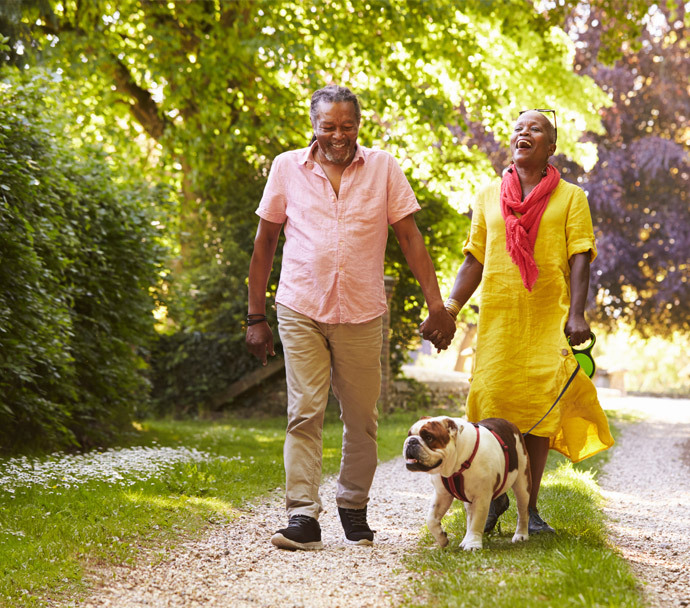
(205, 94)
(79, 256)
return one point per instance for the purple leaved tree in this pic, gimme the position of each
(639, 189)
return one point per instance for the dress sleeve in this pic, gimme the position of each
(579, 233)
(476, 239)
(273, 203)
(401, 198)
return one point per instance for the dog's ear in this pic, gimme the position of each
(425, 417)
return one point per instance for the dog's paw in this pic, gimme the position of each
(517, 537)
(442, 538)
(471, 544)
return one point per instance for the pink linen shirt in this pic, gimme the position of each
(334, 246)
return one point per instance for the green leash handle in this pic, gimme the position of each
(584, 355)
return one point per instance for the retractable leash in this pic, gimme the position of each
(584, 355)
(565, 388)
(584, 359)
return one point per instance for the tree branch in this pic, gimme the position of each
(144, 109)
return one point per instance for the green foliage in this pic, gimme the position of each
(78, 255)
(441, 227)
(190, 368)
(220, 88)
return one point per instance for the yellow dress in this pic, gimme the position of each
(523, 358)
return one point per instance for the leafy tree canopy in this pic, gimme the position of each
(206, 93)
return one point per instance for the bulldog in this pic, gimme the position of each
(474, 463)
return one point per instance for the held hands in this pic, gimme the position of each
(259, 341)
(439, 329)
(577, 329)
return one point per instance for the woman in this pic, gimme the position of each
(530, 245)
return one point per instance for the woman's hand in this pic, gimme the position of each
(577, 329)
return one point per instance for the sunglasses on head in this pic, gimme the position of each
(545, 111)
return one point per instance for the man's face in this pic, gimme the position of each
(336, 129)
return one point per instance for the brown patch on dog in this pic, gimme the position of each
(436, 434)
(507, 431)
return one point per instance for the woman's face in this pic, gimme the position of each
(531, 142)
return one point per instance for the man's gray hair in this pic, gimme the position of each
(333, 93)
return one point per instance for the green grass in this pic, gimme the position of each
(575, 567)
(49, 536)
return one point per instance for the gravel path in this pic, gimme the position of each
(645, 484)
(236, 566)
(647, 489)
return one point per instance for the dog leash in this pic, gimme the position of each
(565, 388)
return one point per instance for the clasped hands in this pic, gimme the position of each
(438, 328)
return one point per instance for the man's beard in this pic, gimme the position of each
(338, 156)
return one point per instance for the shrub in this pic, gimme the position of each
(79, 262)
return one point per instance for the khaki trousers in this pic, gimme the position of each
(346, 356)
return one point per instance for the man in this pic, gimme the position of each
(336, 200)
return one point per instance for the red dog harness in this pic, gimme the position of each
(455, 483)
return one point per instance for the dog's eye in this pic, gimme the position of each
(426, 436)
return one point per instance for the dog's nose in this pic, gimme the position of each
(412, 441)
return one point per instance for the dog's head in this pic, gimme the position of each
(429, 443)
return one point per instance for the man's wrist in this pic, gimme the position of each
(254, 318)
(435, 307)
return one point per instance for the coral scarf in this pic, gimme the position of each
(521, 233)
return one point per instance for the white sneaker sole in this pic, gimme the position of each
(362, 542)
(282, 542)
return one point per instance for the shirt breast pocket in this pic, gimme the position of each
(366, 208)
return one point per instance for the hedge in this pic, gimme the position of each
(80, 259)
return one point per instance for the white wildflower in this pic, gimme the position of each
(114, 466)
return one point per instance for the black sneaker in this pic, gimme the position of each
(303, 532)
(497, 508)
(536, 524)
(357, 531)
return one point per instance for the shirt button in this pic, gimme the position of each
(564, 352)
